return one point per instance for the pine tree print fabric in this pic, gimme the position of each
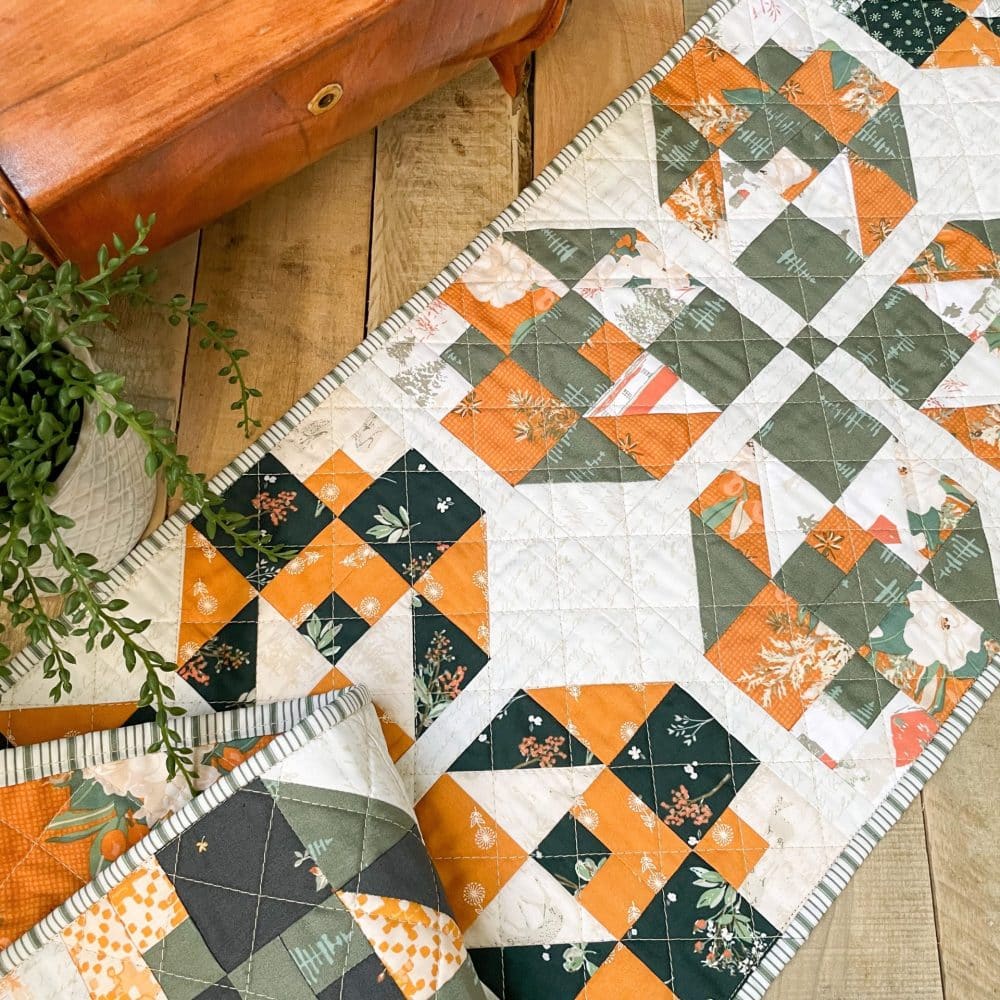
(663, 524)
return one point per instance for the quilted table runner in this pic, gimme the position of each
(660, 525)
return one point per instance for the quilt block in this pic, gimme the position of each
(662, 527)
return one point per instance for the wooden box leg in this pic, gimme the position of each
(511, 63)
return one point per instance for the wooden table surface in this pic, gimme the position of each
(306, 270)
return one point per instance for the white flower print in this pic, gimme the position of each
(502, 276)
(922, 489)
(938, 632)
(145, 779)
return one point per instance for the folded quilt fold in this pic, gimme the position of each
(662, 526)
(298, 871)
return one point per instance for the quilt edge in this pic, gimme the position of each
(869, 834)
(349, 702)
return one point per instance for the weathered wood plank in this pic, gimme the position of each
(962, 817)
(693, 9)
(603, 47)
(877, 942)
(444, 168)
(9, 233)
(288, 271)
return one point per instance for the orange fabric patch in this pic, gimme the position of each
(970, 44)
(604, 717)
(610, 351)
(732, 848)
(977, 427)
(106, 957)
(335, 560)
(457, 585)
(338, 482)
(702, 76)
(762, 646)
(36, 875)
(623, 975)
(881, 203)
(473, 854)
(147, 904)
(617, 895)
(700, 201)
(840, 539)
(655, 440)
(25, 726)
(732, 506)
(510, 421)
(212, 593)
(841, 111)
(498, 324)
(614, 814)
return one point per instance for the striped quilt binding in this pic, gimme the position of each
(905, 790)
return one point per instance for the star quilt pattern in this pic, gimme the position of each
(662, 525)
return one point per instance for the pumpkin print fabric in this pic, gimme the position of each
(662, 526)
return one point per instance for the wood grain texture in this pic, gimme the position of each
(877, 941)
(288, 271)
(962, 818)
(601, 49)
(444, 169)
(209, 107)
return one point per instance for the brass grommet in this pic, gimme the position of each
(325, 98)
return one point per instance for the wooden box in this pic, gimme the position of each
(188, 108)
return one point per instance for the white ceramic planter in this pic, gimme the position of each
(105, 490)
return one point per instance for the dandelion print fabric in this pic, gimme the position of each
(662, 527)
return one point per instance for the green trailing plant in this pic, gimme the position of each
(45, 312)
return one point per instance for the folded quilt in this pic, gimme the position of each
(661, 524)
(297, 873)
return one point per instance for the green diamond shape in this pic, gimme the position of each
(325, 944)
(680, 148)
(907, 345)
(858, 604)
(861, 690)
(812, 347)
(473, 356)
(823, 436)
(714, 348)
(800, 261)
(344, 833)
(270, 973)
(182, 963)
(772, 126)
(773, 64)
(807, 576)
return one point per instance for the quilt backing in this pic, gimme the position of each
(300, 875)
(662, 524)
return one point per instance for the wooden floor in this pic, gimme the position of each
(304, 271)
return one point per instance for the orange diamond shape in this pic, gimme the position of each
(473, 854)
(732, 847)
(604, 717)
